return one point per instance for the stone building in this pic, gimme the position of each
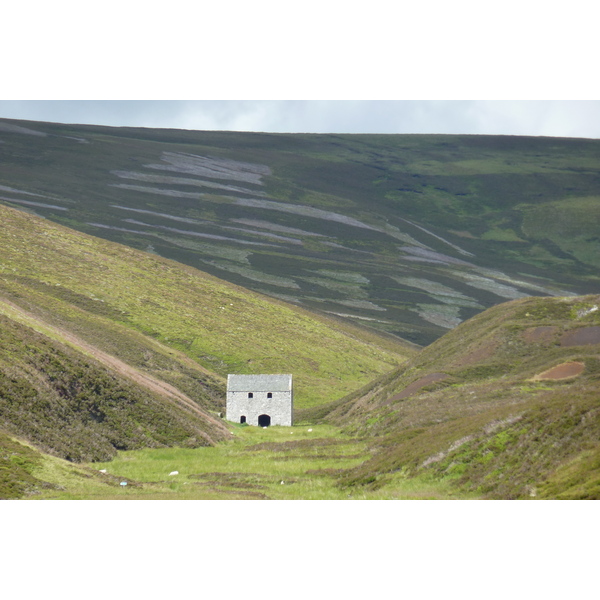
(260, 399)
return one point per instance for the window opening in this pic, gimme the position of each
(269, 394)
(250, 395)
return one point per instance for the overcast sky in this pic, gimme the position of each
(539, 118)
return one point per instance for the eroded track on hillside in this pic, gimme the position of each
(149, 382)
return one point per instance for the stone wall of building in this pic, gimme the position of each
(260, 399)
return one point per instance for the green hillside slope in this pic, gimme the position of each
(409, 234)
(174, 322)
(507, 405)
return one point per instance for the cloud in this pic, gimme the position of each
(548, 118)
(532, 117)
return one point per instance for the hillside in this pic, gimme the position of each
(329, 257)
(175, 322)
(506, 405)
(106, 348)
(409, 234)
(70, 405)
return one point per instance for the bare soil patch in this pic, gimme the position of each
(584, 336)
(562, 371)
(540, 335)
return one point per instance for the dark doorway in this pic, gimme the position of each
(264, 420)
(243, 419)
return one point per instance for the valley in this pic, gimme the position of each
(435, 297)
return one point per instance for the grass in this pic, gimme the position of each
(572, 224)
(279, 463)
(577, 479)
(17, 463)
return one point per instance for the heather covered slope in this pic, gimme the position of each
(70, 405)
(409, 234)
(506, 405)
(17, 463)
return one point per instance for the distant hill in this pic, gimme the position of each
(506, 405)
(408, 234)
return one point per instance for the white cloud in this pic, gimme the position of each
(546, 118)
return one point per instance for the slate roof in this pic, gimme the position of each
(259, 383)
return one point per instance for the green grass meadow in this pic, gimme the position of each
(278, 463)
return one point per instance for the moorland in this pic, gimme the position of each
(436, 298)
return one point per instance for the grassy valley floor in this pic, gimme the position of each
(278, 463)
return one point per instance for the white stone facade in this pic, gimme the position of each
(261, 400)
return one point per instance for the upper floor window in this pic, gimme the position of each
(250, 395)
(269, 394)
